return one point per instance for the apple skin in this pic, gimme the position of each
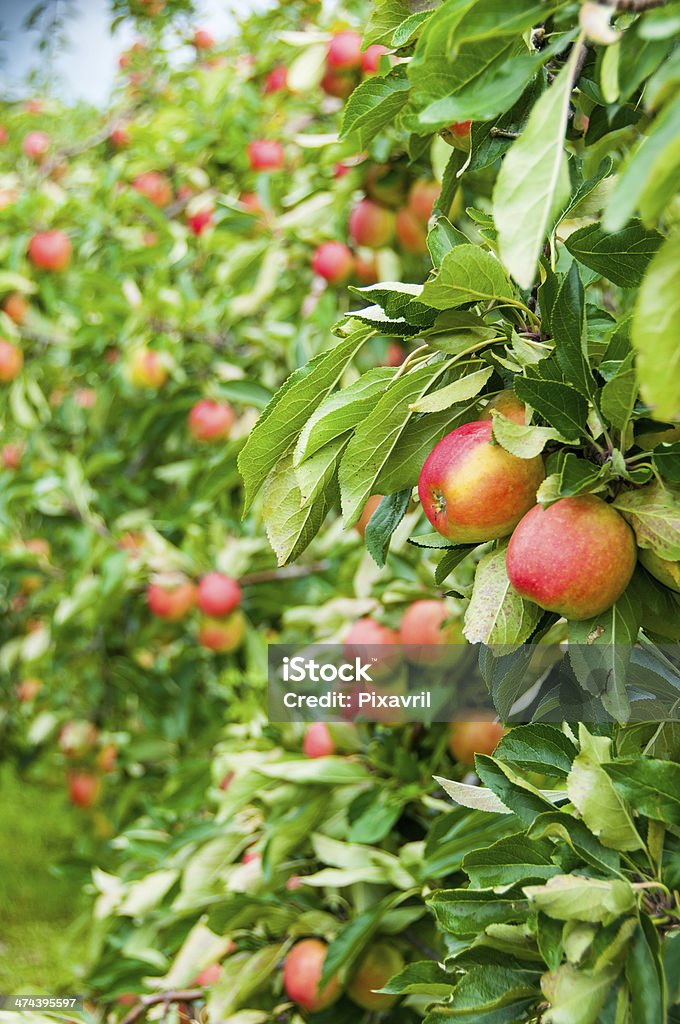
(344, 51)
(16, 307)
(218, 595)
(411, 234)
(11, 361)
(199, 221)
(365, 517)
(12, 455)
(370, 58)
(459, 135)
(155, 187)
(223, 635)
(333, 261)
(203, 40)
(120, 138)
(378, 964)
(146, 369)
(422, 197)
(508, 404)
(211, 421)
(83, 788)
(575, 557)
(337, 84)
(301, 975)
(474, 732)
(35, 145)
(472, 490)
(371, 225)
(318, 741)
(209, 976)
(371, 641)
(265, 155)
(50, 250)
(276, 80)
(426, 638)
(171, 601)
(662, 569)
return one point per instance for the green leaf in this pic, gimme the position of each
(568, 324)
(600, 651)
(460, 390)
(654, 332)
(575, 898)
(516, 794)
(654, 513)
(496, 613)
(374, 104)
(576, 996)
(533, 183)
(526, 441)
(470, 911)
(468, 274)
(424, 977)
(353, 938)
(603, 811)
(292, 521)
(385, 17)
(508, 861)
(537, 748)
(644, 971)
(621, 257)
(619, 395)
(666, 459)
(384, 522)
(341, 411)
(559, 403)
(651, 786)
(566, 828)
(442, 238)
(449, 561)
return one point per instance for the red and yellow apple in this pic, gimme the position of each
(474, 732)
(50, 250)
(218, 595)
(333, 261)
(302, 973)
(371, 225)
(11, 361)
(223, 635)
(378, 964)
(318, 741)
(211, 421)
(171, 598)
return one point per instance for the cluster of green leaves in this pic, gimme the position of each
(573, 917)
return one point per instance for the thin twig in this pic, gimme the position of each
(286, 572)
(187, 995)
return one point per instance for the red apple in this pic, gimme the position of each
(344, 51)
(293, 883)
(333, 261)
(276, 80)
(12, 455)
(146, 369)
(50, 250)
(507, 403)
(171, 598)
(302, 973)
(366, 268)
(120, 138)
(86, 398)
(4, 137)
(396, 354)
(203, 40)
(337, 84)
(365, 517)
(218, 595)
(208, 976)
(211, 421)
(380, 962)
(370, 58)
(155, 187)
(16, 307)
(200, 220)
(340, 170)
(266, 155)
(411, 235)
(251, 857)
(375, 643)
(223, 635)
(318, 741)
(11, 361)
(428, 636)
(35, 145)
(422, 197)
(459, 135)
(371, 225)
(474, 732)
(83, 788)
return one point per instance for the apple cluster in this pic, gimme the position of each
(218, 597)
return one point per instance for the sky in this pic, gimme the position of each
(86, 69)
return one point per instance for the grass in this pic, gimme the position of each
(38, 903)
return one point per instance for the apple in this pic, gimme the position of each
(318, 741)
(208, 976)
(4, 136)
(76, 737)
(155, 187)
(366, 268)
(83, 788)
(252, 203)
(507, 403)
(200, 220)
(28, 689)
(203, 40)
(218, 595)
(371, 225)
(428, 636)
(223, 635)
(107, 757)
(11, 361)
(421, 198)
(371, 641)
(338, 85)
(386, 184)
(365, 517)
(459, 135)
(302, 971)
(340, 170)
(86, 398)
(211, 421)
(35, 145)
(396, 354)
(266, 155)
(276, 80)
(474, 732)
(575, 557)
(472, 490)
(662, 569)
(16, 307)
(171, 597)
(344, 50)
(146, 369)
(120, 138)
(251, 857)
(411, 235)
(333, 261)
(293, 883)
(12, 455)
(370, 58)
(50, 250)
(378, 964)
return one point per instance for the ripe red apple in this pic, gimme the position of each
(340, 170)
(171, 598)
(120, 138)
(337, 84)
(223, 635)
(344, 50)
(422, 197)
(662, 569)
(154, 186)
(76, 737)
(428, 638)
(252, 202)
(318, 741)
(459, 135)
(371, 225)
(379, 963)
(276, 80)
(575, 557)
(11, 361)
(16, 307)
(396, 354)
(371, 641)
(12, 455)
(211, 421)
(366, 268)
(266, 155)
(83, 788)
(28, 689)
(203, 40)
(365, 517)
(50, 250)
(370, 58)
(218, 595)
(474, 732)
(35, 145)
(301, 975)
(472, 490)
(411, 235)
(333, 261)
(507, 403)
(200, 220)
(146, 369)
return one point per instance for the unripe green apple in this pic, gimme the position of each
(575, 557)
(662, 569)
(472, 490)
(301, 975)
(380, 963)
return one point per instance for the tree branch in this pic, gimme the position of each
(187, 995)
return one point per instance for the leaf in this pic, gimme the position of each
(654, 331)
(293, 521)
(277, 429)
(508, 861)
(575, 898)
(460, 390)
(621, 257)
(474, 797)
(496, 613)
(606, 815)
(600, 651)
(375, 104)
(520, 796)
(619, 395)
(341, 411)
(653, 512)
(468, 274)
(576, 476)
(353, 938)
(442, 238)
(424, 977)
(568, 324)
(651, 786)
(469, 911)
(526, 441)
(327, 771)
(383, 523)
(566, 828)
(644, 971)
(537, 748)
(576, 996)
(559, 403)
(533, 182)
(449, 561)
